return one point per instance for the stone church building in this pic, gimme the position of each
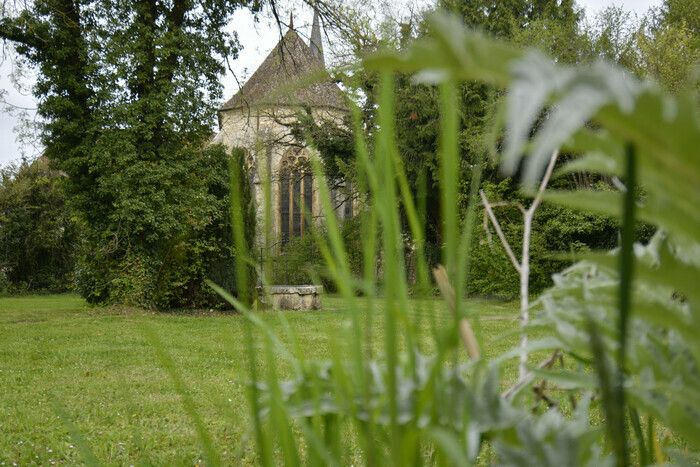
(257, 119)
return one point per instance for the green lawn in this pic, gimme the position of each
(97, 366)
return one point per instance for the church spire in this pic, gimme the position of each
(316, 43)
(291, 20)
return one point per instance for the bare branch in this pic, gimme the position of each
(525, 264)
(619, 185)
(531, 376)
(544, 182)
(497, 226)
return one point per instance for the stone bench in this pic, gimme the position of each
(295, 297)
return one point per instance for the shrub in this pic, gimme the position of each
(37, 229)
(492, 273)
(5, 285)
(300, 261)
(192, 245)
(556, 231)
(351, 232)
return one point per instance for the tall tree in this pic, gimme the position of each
(416, 105)
(127, 92)
(554, 23)
(51, 36)
(669, 44)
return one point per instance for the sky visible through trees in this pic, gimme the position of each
(257, 40)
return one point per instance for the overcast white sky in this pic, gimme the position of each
(257, 40)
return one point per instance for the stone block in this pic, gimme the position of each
(295, 297)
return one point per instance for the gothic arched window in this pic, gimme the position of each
(295, 196)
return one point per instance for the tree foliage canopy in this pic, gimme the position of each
(660, 46)
(127, 93)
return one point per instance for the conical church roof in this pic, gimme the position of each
(286, 78)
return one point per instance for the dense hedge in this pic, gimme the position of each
(556, 232)
(170, 271)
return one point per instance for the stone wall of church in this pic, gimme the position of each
(269, 145)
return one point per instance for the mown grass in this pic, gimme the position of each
(99, 368)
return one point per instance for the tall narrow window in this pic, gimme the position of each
(295, 197)
(284, 206)
(308, 199)
(296, 204)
